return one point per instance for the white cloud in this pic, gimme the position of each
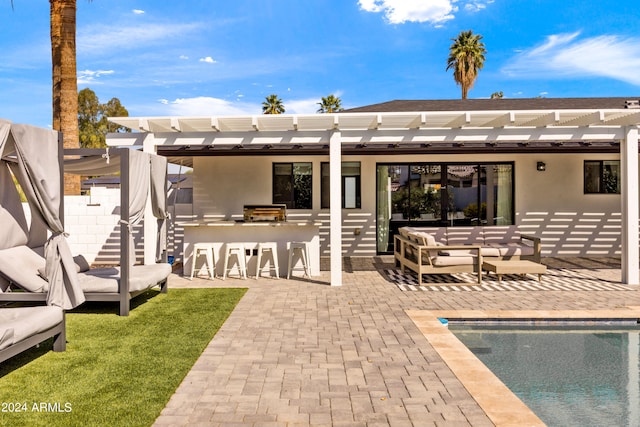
(477, 5)
(301, 106)
(208, 60)
(138, 12)
(208, 106)
(183, 57)
(91, 76)
(567, 55)
(98, 39)
(401, 11)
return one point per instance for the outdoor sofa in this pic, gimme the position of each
(23, 327)
(436, 250)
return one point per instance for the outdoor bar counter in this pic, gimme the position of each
(251, 233)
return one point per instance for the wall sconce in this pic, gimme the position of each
(541, 166)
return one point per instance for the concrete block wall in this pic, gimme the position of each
(92, 225)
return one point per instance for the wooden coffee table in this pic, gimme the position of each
(518, 266)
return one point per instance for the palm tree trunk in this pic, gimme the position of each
(65, 86)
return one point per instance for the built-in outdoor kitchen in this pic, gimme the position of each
(260, 229)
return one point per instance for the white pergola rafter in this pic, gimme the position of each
(398, 128)
(386, 121)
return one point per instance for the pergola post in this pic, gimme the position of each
(335, 212)
(629, 209)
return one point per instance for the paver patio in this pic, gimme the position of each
(299, 352)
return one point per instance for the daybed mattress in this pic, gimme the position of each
(18, 324)
(24, 267)
(107, 279)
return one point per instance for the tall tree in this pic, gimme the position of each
(93, 118)
(64, 79)
(330, 104)
(272, 105)
(466, 58)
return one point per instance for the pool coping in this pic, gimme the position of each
(500, 404)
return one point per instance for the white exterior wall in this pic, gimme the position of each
(92, 225)
(550, 204)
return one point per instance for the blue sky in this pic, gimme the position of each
(214, 57)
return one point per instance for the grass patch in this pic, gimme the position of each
(117, 371)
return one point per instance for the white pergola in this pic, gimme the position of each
(398, 129)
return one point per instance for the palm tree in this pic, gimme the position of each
(466, 58)
(64, 79)
(272, 105)
(330, 104)
(62, 17)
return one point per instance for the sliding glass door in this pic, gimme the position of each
(441, 195)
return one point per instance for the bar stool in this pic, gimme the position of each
(303, 249)
(205, 249)
(269, 248)
(236, 249)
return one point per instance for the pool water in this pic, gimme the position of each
(583, 376)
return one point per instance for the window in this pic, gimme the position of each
(350, 185)
(292, 184)
(442, 195)
(602, 177)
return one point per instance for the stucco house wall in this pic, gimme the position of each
(550, 204)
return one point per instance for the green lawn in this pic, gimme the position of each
(117, 371)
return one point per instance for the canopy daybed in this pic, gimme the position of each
(37, 268)
(23, 327)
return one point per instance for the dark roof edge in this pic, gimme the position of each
(401, 105)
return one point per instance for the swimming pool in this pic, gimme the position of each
(569, 375)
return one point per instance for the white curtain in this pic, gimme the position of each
(505, 196)
(39, 173)
(384, 207)
(159, 187)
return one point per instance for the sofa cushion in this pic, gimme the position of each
(422, 238)
(510, 249)
(484, 251)
(20, 265)
(501, 234)
(465, 235)
(446, 261)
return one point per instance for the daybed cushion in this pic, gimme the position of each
(107, 279)
(18, 324)
(20, 265)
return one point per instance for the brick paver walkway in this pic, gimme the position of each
(299, 352)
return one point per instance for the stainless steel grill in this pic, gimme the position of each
(273, 213)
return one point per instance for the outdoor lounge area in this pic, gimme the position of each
(466, 249)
